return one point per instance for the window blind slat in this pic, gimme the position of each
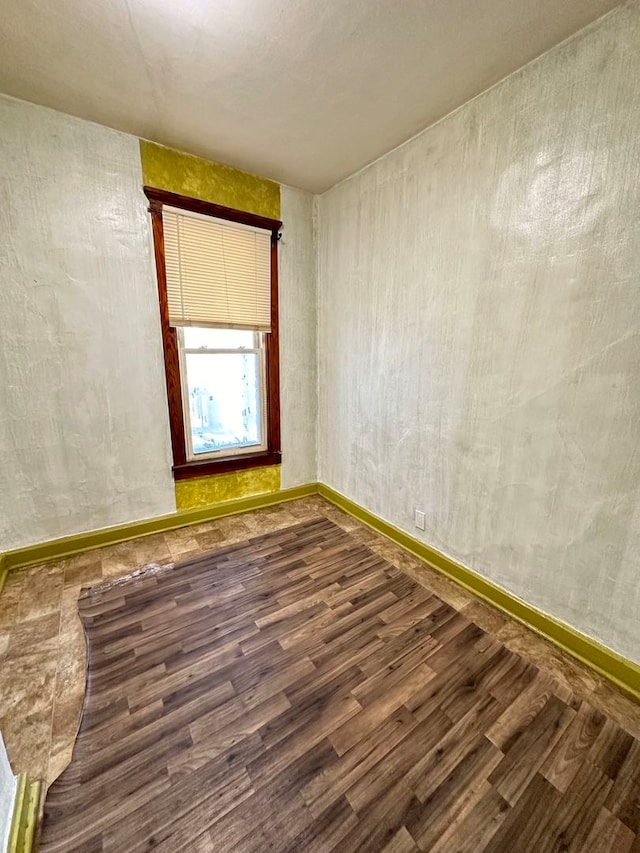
(218, 273)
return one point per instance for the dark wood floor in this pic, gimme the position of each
(298, 693)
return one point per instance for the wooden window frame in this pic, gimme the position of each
(182, 468)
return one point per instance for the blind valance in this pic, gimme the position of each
(218, 272)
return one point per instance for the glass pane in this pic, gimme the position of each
(197, 336)
(224, 400)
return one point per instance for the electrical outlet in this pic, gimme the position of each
(419, 519)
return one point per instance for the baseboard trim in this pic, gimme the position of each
(25, 816)
(621, 671)
(58, 549)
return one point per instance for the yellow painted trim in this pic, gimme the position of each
(25, 816)
(621, 671)
(17, 813)
(57, 549)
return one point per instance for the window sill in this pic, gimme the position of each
(204, 468)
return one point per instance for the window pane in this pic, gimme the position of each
(224, 400)
(197, 336)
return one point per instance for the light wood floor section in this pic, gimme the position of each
(299, 692)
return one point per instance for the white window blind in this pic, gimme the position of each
(218, 272)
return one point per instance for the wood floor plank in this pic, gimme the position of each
(295, 692)
(341, 775)
(566, 758)
(609, 835)
(402, 842)
(479, 819)
(327, 831)
(363, 723)
(525, 755)
(624, 799)
(524, 824)
(570, 823)
(444, 804)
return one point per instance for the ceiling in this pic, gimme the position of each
(305, 92)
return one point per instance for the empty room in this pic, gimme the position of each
(320, 426)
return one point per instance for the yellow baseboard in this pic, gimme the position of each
(25, 816)
(621, 671)
(58, 549)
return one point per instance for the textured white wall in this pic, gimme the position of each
(8, 785)
(479, 320)
(297, 303)
(84, 439)
(83, 418)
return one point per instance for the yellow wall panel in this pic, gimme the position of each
(177, 172)
(205, 491)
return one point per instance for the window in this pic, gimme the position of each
(223, 391)
(217, 283)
